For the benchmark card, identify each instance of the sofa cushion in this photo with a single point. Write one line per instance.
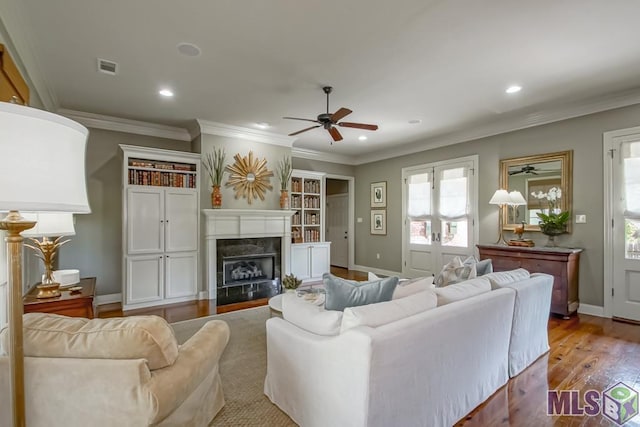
(454, 272)
(412, 286)
(462, 290)
(341, 293)
(502, 278)
(381, 313)
(482, 267)
(309, 316)
(135, 337)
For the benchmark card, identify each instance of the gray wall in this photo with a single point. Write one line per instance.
(583, 135)
(96, 249)
(272, 153)
(326, 167)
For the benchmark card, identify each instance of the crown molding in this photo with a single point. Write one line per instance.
(510, 124)
(99, 121)
(303, 153)
(16, 28)
(221, 129)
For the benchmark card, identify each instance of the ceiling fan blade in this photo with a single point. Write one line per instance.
(343, 112)
(358, 125)
(335, 134)
(304, 130)
(304, 120)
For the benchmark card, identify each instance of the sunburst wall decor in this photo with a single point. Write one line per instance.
(249, 177)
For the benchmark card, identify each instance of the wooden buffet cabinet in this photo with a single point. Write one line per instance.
(562, 263)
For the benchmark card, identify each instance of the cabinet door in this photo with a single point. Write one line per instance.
(144, 278)
(300, 262)
(180, 274)
(181, 220)
(319, 260)
(145, 220)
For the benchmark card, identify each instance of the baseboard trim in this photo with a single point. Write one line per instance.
(107, 299)
(592, 310)
(376, 270)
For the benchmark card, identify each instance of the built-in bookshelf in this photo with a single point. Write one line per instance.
(307, 200)
(162, 174)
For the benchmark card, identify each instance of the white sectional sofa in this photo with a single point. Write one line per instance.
(429, 368)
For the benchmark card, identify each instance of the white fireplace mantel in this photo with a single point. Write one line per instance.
(240, 224)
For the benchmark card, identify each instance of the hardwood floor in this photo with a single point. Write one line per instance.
(195, 309)
(587, 353)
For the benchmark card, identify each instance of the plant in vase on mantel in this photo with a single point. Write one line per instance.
(284, 171)
(214, 165)
(554, 222)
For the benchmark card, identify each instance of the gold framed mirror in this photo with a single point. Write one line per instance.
(533, 174)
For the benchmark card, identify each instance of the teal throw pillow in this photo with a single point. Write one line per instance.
(341, 293)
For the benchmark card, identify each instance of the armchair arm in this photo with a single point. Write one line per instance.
(196, 359)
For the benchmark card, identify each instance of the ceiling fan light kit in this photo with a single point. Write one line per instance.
(329, 120)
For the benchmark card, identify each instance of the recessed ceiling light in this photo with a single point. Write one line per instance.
(166, 92)
(362, 138)
(415, 121)
(262, 125)
(188, 49)
(513, 89)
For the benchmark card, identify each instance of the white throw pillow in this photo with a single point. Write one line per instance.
(310, 317)
(412, 286)
(463, 290)
(381, 313)
(454, 272)
(501, 278)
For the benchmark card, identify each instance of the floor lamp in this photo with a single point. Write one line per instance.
(42, 171)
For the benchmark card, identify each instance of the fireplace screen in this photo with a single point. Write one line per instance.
(248, 269)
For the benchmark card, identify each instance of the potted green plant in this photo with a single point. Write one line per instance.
(291, 282)
(554, 222)
(213, 163)
(283, 171)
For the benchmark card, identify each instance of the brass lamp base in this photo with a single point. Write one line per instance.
(50, 290)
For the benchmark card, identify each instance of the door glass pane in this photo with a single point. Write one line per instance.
(632, 238)
(453, 193)
(419, 203)
(455, 233)
(420, 232)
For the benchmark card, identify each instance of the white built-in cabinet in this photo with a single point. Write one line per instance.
(309, 261)
(160, 226)
(310, 254)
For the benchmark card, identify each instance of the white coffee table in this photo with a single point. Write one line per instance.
(275, 306)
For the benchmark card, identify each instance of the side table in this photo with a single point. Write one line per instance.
(74, 304)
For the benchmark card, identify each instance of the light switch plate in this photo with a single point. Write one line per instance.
(581, 219)
(359, 219)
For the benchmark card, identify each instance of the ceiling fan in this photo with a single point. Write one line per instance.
(528, 169)
(328, 120)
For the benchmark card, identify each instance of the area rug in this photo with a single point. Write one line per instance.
(243, 367)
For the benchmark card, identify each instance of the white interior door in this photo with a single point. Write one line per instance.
(337, 229)
(439, 203)
(626, 230)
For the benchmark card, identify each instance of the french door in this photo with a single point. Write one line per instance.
(439, 210)
(624, 185)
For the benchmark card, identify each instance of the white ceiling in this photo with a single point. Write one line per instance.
(446, 63)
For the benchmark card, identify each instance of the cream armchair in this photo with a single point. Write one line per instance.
(116, 372)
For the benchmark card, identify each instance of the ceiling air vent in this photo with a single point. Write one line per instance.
(107, 67)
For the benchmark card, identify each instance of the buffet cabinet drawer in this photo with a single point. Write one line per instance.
(562, 263)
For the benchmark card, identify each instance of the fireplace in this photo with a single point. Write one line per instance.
(261, 239)
(247, 269)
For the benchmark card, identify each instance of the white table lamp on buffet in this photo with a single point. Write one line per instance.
(43, 170)
(500, 198)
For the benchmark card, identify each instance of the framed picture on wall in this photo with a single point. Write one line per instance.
(379, 221)
(379, 194)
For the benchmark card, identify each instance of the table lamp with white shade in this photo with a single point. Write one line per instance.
(56, 225)
(517, 199)
(500, 198)
(42, 170)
